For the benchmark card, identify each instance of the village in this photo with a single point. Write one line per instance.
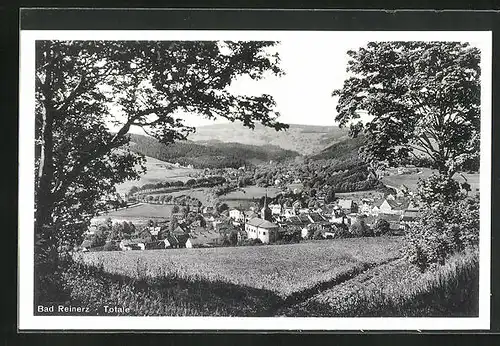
(192, 225)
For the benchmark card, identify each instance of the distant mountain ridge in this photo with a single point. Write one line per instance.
(346, 149)
(304, 139)
(208, 155)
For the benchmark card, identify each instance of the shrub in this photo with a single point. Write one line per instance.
(442, 231)
(317, 235)
(111, 246)
(342, 232)
(381, 227)
(257, 241)
(360, 229)
(438, 190)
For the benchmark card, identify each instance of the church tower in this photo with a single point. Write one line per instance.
(266, 213)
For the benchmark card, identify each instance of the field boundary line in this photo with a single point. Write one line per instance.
(303, 295)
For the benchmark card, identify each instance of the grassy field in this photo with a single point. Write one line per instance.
(199, 193)
(250, 192)
(399, 289)
(357, 195)
(343, 278)
(411, 180)
(157, 171)
(139, 214)
(283, 269)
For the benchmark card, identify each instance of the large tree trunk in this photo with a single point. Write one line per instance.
(43, 194)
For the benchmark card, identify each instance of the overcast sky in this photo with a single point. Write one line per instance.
(314, 62)
(314, 68)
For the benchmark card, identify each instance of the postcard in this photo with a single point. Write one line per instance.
(254, 180)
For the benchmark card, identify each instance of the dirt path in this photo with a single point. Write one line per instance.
(296, 298)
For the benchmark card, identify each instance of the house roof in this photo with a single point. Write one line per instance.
(345, 203)
(172, 240)
(181, 239)
(303, 218)
(294, 220)
(258, 222)
(250, 214)
(86, 243)
(408, 218)
(316, 217)
(179, 230)
(412, 213)
(389, 217)
(203, 238)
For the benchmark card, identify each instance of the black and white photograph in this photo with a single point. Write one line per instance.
(310, 180)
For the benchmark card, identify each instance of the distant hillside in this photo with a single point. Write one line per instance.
(305, 139)
(345, 150)
(209, 155)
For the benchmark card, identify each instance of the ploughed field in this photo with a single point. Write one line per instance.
(285, 270)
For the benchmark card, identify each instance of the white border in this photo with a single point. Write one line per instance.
(26, 318)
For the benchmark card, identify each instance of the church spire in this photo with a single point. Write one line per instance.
(266, 213)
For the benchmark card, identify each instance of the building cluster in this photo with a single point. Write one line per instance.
(209, 228)
(329, 219)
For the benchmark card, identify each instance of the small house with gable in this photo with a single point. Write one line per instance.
(347, 205)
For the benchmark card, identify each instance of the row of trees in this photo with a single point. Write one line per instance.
(190, 183)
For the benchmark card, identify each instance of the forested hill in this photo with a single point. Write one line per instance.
(344, 150)
(209, 155)
(305, 139)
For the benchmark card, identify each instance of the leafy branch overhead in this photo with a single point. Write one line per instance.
(83, 87)
(419, 99)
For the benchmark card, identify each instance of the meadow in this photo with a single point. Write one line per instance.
(283, 269)
(411, 180)
(202, 194)
(343, 278)
(399, 289)
(250, 192)
(157, 171)
(138, 214)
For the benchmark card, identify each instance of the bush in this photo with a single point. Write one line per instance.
(381, 227)
(442, 231)
(257, 241)
(342, 232)
(111, 246)
(438, 190)
(317, 235)
(360, 229)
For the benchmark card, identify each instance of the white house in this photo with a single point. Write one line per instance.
(275, 209)
(390, 207)
(347, 205)
(264, 230)
(289, 212)
(237, 214)
(154, 230)
(304, 232)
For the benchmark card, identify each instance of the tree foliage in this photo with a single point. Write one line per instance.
(423, 99)
(442, 231)
(90, 93)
